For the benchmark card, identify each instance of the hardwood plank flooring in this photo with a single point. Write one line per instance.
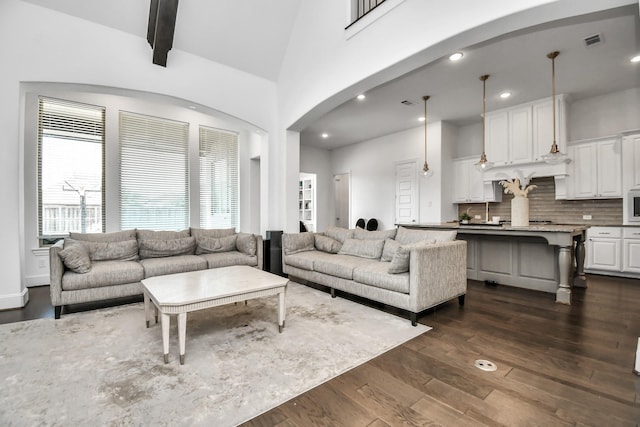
(557, 365)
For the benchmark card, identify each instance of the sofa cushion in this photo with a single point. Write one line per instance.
(159, 248)
(340, 265)
(247, 244)
(104, 273)
(115, 236)
(305, 260)
(75, 256)
(406, 236)
(390, 247)
(377, 275)
(362, 248)
(327, 244)
(209, 245)
(292, 243)
(400, 262)
(225, 259)
(362, 234)
(162, 235)
(126, 250)
(170, 265)
(338, 233)
(212, 232)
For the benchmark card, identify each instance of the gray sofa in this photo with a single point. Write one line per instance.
(88, 267)
(413, 270)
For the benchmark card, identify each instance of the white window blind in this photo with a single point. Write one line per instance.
(219, 185)
(154, 173)
(70, 167)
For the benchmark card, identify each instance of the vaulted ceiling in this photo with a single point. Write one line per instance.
(253, 36)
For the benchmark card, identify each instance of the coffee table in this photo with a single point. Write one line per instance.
(179, 294)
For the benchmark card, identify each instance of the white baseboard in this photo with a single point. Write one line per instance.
(42, 279)
(18, 300)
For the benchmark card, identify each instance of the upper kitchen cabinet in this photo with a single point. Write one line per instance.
(596, 169)
(469, 185)
(523, 133)
(631, 162)
(543, 126)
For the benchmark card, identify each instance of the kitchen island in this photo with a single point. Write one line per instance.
(544, 257)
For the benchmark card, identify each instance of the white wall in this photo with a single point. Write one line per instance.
(372, 166)
(318, 161)
(604, 115)
(469, 141)
(40, 45)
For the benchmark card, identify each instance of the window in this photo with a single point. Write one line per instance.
(219, 186)
(154, 173)
(70, 168)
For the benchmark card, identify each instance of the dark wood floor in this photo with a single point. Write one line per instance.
(556, 365)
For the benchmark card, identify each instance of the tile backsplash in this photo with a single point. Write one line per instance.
(543, 206)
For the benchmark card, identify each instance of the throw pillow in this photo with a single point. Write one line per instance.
(210, 245)
(374, 235)
(338, 233)
(327, 244)
(406, 236)
(113, 251)
(75, 256)
(292, 243)
(362, 248)
(211, 232)
(400, 261)
(247, 244)
(390, 247)
(158, 248)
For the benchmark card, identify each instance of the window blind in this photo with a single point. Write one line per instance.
(154, 172)
(70, 167)
(219, 183)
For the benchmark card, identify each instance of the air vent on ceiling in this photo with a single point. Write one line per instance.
(407, 102)
(593, 40)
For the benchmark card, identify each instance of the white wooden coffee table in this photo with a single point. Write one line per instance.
(178, 294)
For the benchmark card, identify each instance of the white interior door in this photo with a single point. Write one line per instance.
(341, 184)
(406, 193)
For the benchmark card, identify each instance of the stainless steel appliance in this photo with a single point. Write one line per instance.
(633, 205)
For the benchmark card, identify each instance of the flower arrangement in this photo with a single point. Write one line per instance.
(519, 187)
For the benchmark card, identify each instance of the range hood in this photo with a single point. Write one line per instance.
(559, 173)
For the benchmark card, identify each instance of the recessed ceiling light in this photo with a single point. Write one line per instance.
(325, 135)
(361, 97)
(421, 119)
(456, 56)
(635, 58)
(193, 107)
(505, 95)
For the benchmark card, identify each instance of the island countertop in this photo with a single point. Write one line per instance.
(505, 227)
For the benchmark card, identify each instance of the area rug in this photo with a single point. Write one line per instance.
(104, 367)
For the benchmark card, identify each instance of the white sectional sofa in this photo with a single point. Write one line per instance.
(88, 267)
(413, 270)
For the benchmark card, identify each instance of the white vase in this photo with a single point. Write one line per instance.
(520, 212)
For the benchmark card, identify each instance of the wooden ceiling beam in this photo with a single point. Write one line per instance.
(161, 27)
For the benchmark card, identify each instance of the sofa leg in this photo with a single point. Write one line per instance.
(461, 300)
(414, 319)
(333, 293)
(57, 310)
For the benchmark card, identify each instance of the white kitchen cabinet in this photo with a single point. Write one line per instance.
(604, 248)
(469, 185)
(509, 136)
(542, 122)
(631, 249)
(467, 182)
(596, 169)
(631, 167)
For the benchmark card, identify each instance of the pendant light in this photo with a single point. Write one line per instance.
(483, 164)
(554, 156)
(426, 172)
